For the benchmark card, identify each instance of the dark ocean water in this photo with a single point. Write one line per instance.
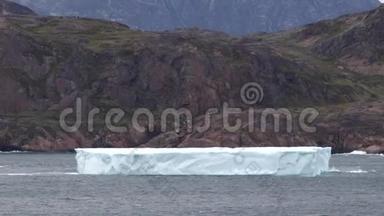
(47, 184)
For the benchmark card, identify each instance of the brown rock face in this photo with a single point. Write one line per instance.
(356, 127)
(375, 149)
(46, 63)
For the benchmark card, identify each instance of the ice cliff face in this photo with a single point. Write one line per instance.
(300, 161)
(232, 16)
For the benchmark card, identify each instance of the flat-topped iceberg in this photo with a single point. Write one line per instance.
(302, 161)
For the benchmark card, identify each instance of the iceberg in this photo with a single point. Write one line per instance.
(358, 153)
(299, 161)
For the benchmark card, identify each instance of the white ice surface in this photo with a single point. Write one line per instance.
(358, 153)
(302, 161)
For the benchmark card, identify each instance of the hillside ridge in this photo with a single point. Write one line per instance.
(46, 63)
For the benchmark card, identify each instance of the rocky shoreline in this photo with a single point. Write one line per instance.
(47, 63)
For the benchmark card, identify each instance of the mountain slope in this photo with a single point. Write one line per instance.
(47, 62)
(360, 46)
(236, 17)
(10, 8)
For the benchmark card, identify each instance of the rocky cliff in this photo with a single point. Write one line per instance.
(237, 17)
(48, 62)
